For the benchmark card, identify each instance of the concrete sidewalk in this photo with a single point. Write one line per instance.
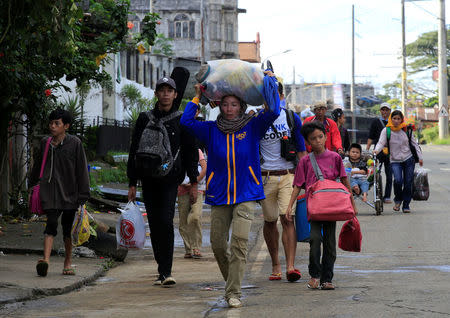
(21, 246)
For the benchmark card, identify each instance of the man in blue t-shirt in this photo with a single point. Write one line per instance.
(278, 175)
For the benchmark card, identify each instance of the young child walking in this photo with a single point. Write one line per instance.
(64, 185)
(330, 163)
(358, 180)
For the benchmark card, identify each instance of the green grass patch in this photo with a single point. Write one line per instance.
(431, 136)
(445, 141)
(117, 174)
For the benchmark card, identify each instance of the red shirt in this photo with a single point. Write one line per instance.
(334, 141)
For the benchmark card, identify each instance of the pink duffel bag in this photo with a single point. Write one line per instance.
(35, 205)
(328, 200)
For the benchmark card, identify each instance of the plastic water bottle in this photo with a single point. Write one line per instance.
(348, 167)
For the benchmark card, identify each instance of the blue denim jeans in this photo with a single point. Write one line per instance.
(362, 183)
(403, 179)
(388, 173)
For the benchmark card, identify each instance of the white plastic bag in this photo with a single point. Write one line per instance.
(232, 77)
(421, 186)
(130, 227)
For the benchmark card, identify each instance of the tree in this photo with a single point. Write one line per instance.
(41, 41)
(424, 53)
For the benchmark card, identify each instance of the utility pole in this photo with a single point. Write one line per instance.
(294, 89)
(352, 86)
(443, 81)
(202, 53)
(404, 84)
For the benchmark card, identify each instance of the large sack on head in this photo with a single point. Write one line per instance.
(232, 77)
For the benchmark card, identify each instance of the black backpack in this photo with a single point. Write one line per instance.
(154, 156)
(288, 147)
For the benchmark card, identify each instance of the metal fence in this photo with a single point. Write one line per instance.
(109, 134)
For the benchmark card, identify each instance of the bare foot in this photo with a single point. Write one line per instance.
(356, 190)
(364, 197)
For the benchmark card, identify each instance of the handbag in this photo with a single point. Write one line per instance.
(328, 200)
(350, 237)
(35, 201)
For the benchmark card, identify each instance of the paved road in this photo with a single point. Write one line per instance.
(403, 271)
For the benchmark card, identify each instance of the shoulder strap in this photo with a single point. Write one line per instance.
(409, 132)
(315, 166)
(388, 137)
(171, 116)
(149, 115)
(273, 128)
(381, 121)
(47, 146)
(290, 121)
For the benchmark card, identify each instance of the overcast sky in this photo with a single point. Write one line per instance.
(319, 34)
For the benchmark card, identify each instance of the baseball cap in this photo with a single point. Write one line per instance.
(166, 81)
(385, 105)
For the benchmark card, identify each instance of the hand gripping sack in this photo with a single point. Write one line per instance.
(421, 187)
(328, 200)
(130, 227)
(80, 228)
(35, 201)
(350, 237)
(154, 156)
(232, 77)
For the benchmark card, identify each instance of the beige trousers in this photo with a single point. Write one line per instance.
(231, 263)
(190, 222)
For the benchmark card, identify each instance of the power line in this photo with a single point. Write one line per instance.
(425, 10)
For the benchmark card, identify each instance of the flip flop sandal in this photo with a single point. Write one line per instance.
(293, 275)
(188, 255)
(396, 207)
(68, 271)
(327, 286)
(313, 283)
(42, 268)
(275, 276)
(197, 254)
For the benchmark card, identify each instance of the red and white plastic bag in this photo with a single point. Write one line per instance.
(130, 227)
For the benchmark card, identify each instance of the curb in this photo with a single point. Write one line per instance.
(23, 251)
(36, 293)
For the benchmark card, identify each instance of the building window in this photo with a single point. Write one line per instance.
(213, 29)
(145, 74)
(230, 33)
(182, 27)
(151, 75)
(192, 29)
(128, 65)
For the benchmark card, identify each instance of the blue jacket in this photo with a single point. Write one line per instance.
(233, 172)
